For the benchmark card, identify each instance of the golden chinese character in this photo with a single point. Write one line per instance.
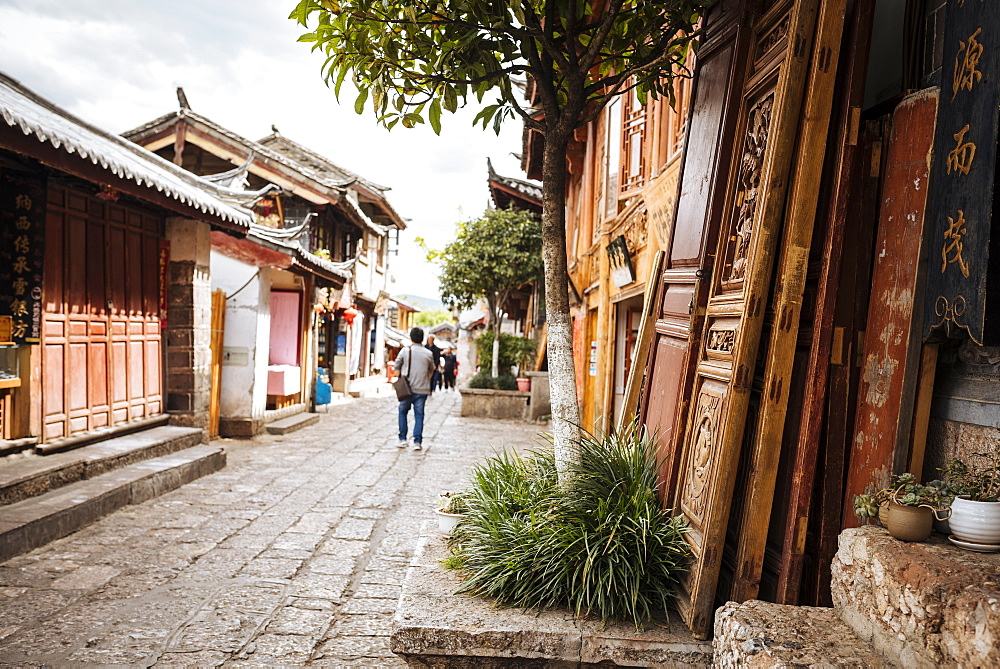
(20, 264)
(19, 308)
(21, 244)
(960, 158)
(22, 223)
(20, 285)
(966, 62)
(953, 244)
(22, 202)
(19, 330)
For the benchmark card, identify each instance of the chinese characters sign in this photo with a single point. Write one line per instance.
(963, 253)
(22, 250)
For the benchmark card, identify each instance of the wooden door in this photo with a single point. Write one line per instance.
(812, 461)
(779, 383)
(101, 356)
(738, 291)
(680, 300)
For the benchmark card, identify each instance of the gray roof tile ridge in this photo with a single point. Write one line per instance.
(65, 140)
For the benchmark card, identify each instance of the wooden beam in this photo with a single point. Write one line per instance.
(179, 138)
(822, 353)
(646, 324)
(922, 408)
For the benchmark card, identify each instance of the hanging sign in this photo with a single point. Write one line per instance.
(22, 252)
(622, 273)
(963, 251)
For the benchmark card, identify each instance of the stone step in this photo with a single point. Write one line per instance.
(34, 522)
(925, 604)
(292, 423)
(434, 627)
(759, 635)
(25, 476)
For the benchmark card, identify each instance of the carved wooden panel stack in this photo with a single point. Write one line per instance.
(738, 291)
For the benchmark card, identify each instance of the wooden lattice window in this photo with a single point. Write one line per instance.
(633, 144)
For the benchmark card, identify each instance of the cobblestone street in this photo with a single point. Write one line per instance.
(291, 555)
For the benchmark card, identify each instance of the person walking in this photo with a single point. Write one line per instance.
(416, 363)
(450, 363)
(436, 352)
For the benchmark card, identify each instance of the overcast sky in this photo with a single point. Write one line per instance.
(117, 63)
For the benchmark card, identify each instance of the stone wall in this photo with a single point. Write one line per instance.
(923, 604)
(189, 318)
(502, 404)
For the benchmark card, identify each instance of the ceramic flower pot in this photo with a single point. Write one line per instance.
(524, 385)
(909, 523)
(448, 521)
(975, 522)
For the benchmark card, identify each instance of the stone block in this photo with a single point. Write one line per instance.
(758, 634)
(241, 428)
(928, 604)
(498, 404)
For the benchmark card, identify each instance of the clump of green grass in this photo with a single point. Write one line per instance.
(599, 544)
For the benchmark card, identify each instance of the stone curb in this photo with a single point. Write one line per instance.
(34, 522)
(434, 627)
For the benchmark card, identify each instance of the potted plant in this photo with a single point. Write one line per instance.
(451, 509)
(905, 507)
(975, 510)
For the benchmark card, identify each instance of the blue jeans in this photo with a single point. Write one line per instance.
(417, 402)
(435, 380)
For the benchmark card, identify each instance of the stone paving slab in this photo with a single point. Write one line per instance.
(761, 635)
(433, 626)
(292, 423)
(292, 555)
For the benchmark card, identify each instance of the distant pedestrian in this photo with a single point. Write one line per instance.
(436, 352)
(416, 363)
(450, 364)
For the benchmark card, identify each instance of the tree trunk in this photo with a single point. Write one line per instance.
(562, 371)
(496, 347)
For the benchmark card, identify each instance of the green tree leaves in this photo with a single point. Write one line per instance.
(415, 58)
(491, 256)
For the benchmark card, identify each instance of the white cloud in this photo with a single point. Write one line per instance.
(116, 63)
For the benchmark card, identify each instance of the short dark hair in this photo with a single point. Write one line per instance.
(416, 335)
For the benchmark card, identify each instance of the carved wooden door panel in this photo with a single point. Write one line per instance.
(681, 295)
(738, 292)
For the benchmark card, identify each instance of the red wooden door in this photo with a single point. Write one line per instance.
(101, 357)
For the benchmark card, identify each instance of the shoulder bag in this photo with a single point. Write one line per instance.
(402, 384)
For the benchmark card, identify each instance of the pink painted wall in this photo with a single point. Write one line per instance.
(285, 313)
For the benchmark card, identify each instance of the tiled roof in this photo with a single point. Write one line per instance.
(330, 181)
(47, 122)
(528, 189)
(307, 157)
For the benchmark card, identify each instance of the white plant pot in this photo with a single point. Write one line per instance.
(975, 522)
(447, 521)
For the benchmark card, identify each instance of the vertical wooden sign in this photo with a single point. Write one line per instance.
(22, 253)
(963, 255)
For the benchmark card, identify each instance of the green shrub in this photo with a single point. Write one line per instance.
(514, 350)
(483, 380)
(600, 544)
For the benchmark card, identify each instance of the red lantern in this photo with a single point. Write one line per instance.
(349, 314)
